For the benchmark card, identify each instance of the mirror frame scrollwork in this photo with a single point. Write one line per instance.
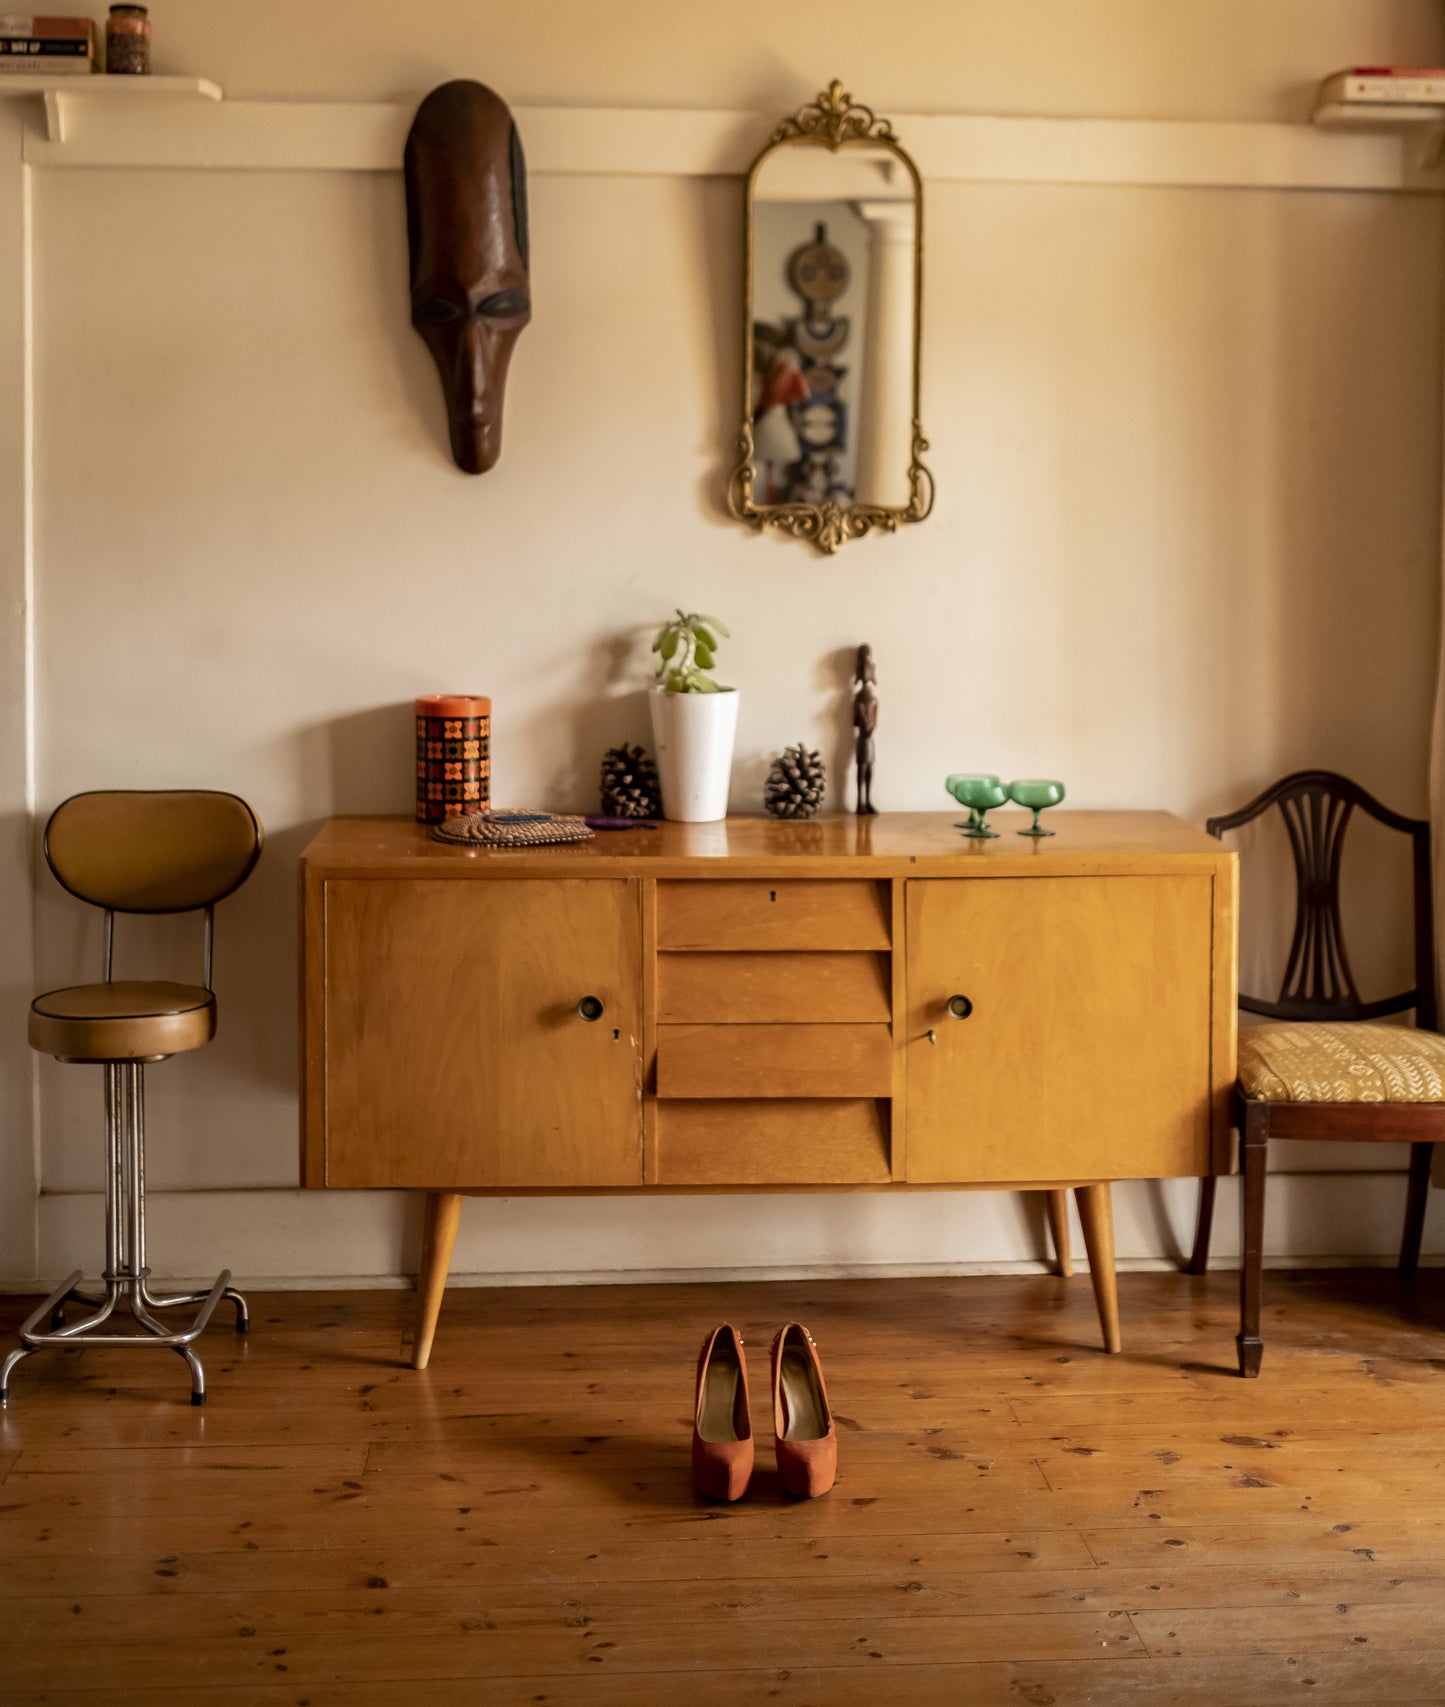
(834, 120)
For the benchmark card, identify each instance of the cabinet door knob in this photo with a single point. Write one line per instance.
(590, 1007)
(960, 1007)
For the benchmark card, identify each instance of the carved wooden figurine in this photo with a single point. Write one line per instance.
(466, 220)
(865, 721)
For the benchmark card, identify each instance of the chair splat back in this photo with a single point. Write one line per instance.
(1318, 984)
(152, 851)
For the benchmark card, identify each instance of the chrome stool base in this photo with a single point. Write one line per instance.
(126, 1273)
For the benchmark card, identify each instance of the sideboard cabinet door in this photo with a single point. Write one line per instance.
(455, 1054)
(1081, 1046)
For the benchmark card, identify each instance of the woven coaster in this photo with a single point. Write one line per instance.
(505, 827)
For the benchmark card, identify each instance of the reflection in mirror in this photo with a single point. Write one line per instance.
(831, 442)
(832, 282)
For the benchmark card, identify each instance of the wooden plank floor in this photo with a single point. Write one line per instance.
(1018, 1518)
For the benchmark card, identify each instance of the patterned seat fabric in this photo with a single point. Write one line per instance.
(1341, 1063)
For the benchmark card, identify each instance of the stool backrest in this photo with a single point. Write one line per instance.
(152, 850)
(1318, 984)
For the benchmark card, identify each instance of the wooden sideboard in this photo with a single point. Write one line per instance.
(846, 1004)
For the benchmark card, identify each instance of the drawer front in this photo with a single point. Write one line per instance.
(777, 989)
(726, 914)
(774, 1060)
(783, 1142)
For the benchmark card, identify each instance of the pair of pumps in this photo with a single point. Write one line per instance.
(722, 1430)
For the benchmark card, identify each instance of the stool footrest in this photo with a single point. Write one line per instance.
(131, 1290)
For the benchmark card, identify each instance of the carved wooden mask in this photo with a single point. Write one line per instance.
(466, 215)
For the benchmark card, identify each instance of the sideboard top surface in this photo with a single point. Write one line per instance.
(893, 844)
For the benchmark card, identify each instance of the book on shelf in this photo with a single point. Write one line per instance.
(46, 29)
(1384, 86)
(46, 46)
(46, 65)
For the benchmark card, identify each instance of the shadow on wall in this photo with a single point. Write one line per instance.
(601, 707)
(363, 762)
(835, 678)
(719, 239)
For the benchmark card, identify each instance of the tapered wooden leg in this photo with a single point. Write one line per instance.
(1416, 1200)
(1203, 1226)
(443, 1212)
(1253, 1152)
(1096, 1211)
(1058, 1204)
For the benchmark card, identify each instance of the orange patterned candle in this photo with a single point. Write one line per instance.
(453, 756)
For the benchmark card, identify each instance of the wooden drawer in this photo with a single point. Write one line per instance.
(783, 988)
(728, 914)
(774, 1061)
(782, 1142)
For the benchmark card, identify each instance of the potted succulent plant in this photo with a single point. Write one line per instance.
(694, 720)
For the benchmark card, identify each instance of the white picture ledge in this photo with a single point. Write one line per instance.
(607, 141)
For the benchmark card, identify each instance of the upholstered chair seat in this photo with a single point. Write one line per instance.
(1344, 1063)
(122, 1022)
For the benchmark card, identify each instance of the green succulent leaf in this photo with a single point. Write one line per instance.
(718, 624)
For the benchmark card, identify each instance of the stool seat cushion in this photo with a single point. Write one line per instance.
(122, 1022)
(1297, 1062)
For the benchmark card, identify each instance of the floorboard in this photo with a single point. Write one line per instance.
(1018, 1518)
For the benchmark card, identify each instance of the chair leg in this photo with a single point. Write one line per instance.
(1096, 1212)
(443, 1213)
(1058, 1208)
(126, 1270)
(1203, 1226)
(1416, 1200)
(1253, 1152)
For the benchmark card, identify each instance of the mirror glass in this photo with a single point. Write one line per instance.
(831, 442)
(833, 327)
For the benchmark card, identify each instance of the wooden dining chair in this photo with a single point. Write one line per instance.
(1324, 1069)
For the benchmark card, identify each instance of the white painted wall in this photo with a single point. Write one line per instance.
(1187, 446)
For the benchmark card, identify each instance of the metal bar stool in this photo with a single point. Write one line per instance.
(135, 852)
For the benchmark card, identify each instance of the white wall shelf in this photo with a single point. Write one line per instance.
(61, 96)
(1418, 130)
(613, 141)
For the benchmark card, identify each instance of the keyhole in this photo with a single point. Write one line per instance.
(772, 894)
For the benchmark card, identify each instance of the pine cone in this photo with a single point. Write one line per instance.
(629, 784)
(796, 783)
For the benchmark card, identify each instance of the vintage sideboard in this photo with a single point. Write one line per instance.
(865, 1004)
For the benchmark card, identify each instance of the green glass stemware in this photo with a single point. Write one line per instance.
(980, 791)
(1036, 793)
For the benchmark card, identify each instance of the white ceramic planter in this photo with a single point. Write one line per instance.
(693, 734)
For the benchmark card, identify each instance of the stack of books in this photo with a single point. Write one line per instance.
(1382, 94)
(46, 47)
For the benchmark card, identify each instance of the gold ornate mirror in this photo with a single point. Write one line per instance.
(831, 442)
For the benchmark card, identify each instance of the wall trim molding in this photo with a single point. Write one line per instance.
(269, 1236)
(730, 1276)
(618, 141)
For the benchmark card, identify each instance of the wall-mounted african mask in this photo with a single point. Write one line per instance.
(466, 217)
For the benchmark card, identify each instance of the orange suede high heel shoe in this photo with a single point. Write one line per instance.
(722, 1429)
(807, 1441)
